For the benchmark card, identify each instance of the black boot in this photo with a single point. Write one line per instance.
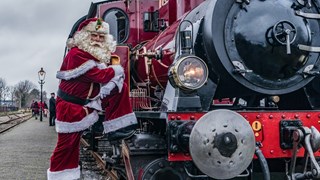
(122, 133)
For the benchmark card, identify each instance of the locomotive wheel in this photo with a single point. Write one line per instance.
(222, 144)
(160, 169)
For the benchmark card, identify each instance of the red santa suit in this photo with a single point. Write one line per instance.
(83, 81)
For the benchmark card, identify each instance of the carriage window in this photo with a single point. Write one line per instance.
(150, 21)
(118, 22)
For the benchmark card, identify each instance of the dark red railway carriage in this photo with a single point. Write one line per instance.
(221, 88)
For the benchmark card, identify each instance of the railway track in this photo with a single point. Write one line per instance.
(93, 164)
(9, 121)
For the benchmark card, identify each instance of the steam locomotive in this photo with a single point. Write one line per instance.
(222, 89)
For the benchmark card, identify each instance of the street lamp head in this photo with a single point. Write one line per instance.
(41, 74)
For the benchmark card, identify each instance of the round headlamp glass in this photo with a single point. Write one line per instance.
(189, 73)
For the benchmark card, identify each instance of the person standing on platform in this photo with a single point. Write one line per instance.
(87, 76)
(31, 107)
(35, 107)
(52, 109)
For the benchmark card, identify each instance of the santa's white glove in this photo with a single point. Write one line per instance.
(105, 90)
(118, 80)
(95, 103)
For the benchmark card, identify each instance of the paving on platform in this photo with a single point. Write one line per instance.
(25, 150)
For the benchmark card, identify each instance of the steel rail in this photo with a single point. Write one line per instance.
(16, 120)
(101, 163)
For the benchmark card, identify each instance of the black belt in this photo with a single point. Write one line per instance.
(69, 98)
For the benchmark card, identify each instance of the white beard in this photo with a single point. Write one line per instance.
(100, 50)
(100, 53)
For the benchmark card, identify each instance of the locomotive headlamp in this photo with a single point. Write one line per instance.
(188, 73)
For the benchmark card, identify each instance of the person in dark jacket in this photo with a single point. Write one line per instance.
(35, 109)
(52, 109)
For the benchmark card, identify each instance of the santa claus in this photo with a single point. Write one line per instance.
(85, 80)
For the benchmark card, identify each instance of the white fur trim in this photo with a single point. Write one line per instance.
(120, 122)
(87, 121)
(118, 70)
(101, 65)
(66, 174)
(91, 27)
(76, 72)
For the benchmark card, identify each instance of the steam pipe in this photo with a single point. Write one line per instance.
(263, 163)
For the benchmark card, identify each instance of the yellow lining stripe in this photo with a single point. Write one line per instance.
(86, 110)
(90, 91)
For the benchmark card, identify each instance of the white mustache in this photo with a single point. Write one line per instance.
(95, 43)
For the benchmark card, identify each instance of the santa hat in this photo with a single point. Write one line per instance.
(94, 25)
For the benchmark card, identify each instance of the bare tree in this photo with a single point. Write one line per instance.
(22, 90)
(34, 94)
(11, 95)
(6, 93)
(3, 86)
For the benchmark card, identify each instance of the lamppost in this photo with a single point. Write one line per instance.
(41, 75)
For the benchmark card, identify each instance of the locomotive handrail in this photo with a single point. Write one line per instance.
(308, 15)
(178, 35)
(308, 48)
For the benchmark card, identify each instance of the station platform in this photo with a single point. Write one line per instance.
(25, 150)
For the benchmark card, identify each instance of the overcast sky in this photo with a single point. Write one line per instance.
(33, 35)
